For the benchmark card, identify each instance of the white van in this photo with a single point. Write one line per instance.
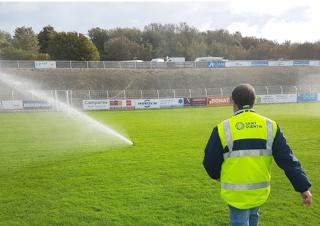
(157, 60)
(176, 59)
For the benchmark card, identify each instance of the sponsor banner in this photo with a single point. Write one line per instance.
(307, 97)
(96, 104)
(301, 63)
(259, 63)
(187, 101)
(280, 63)
(129, 103)
(198, 101)
(238, 63)
(219, 101)
(11, 105)
(118, 103)
(314, 63)
(318, 97)
(45, 64)
(277, 98)
(258, 99)
(216, 64)
(34, 104)
(171, 102)
(146, 103)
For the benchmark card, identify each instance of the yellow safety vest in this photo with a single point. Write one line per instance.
(245, 172)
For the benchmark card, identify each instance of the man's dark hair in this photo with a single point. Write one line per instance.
(243, 95)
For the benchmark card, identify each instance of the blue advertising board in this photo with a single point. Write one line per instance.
(36, 104)
(307, 97)
(216, 64)
(259, 63)
(301, 63)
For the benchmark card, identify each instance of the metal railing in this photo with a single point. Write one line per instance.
(76, 96)
(21, 64)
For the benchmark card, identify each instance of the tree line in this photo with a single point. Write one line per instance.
(154, 41)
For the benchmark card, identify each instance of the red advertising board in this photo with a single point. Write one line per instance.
(129, 103)
(121, 104)
(219, 101)
(116, 104)
(199, 101)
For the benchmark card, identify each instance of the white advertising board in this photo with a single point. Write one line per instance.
(238, 63)
(314, 63)
(146, 103)
(171, 102)
(318, 98)
(96, 104)
(12, 104)
(278, 98)
(45, 64)
(280, 63)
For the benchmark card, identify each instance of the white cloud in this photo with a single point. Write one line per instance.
(279, 28)
(296, 20)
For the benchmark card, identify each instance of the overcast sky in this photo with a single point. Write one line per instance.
(280, 20)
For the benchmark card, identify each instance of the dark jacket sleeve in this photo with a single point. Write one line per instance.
(213, 156)
(291, 166)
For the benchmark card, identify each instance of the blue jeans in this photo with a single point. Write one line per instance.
(247, 217)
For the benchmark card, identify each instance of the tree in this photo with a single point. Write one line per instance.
(12, 53)
(24, 38)
(44, 37)
(72, 46)
(99, 37)
(5, 39)
(121, 48)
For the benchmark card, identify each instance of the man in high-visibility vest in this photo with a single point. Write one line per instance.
(239, 155)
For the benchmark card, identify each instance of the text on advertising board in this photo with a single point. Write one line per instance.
(219, 101)
(216, 64)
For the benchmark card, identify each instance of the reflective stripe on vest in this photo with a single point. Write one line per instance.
(270, 134)
(243, 153)
(243, 187)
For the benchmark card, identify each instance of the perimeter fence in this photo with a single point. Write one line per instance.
(75, 98)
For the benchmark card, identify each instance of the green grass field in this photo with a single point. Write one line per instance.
(54, 172)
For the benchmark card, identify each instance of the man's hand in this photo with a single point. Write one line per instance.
(306, 198)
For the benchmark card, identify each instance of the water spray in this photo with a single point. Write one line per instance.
(9, 80)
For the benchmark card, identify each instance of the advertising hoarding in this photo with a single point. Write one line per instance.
(171, 102)
(96, 104)
(12, 105)
(314, 63)
(259, 63)
(187, 101)
(198, 101)
(301, 63)
(280, 63)
(118, 103)
(45, 64)
(238, 63)
(277, 98)
(146, 103)
(34, 104)
(216, 64)
(307, 97)
(318, 99)
(219, 100)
